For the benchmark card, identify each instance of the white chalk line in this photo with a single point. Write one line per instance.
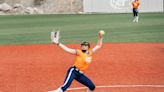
(121, 86)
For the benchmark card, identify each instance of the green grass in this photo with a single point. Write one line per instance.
(35, 29)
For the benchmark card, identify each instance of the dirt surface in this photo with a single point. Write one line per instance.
(39, 68)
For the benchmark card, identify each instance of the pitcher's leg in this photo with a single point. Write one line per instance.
(86, 81)
(68, 80)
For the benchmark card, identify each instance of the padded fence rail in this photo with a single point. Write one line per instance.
(122, 6)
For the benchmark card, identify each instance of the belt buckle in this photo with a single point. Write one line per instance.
(79, 70)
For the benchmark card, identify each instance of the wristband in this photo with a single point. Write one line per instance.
(58, 44)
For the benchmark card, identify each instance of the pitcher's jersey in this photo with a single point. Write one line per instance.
(136, 4)
(83, 60)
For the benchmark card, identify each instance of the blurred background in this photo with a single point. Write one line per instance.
(76, 6)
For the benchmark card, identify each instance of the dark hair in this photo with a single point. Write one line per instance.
(86, 44)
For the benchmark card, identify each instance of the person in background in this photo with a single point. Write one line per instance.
(136, 5)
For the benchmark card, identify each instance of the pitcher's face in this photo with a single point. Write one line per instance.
(84, 47)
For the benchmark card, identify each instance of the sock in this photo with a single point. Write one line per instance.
(137, 18)
(59, 90)
(134, 20)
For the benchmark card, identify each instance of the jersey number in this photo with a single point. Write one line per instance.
(88, 59)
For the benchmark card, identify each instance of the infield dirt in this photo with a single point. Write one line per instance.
(39, 68)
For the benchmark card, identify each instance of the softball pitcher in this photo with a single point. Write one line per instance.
(82, 61)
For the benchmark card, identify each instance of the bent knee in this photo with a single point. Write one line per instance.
(92, 87)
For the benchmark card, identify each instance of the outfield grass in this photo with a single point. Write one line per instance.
(35, 29)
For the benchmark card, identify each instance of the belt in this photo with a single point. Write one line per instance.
(78, 69)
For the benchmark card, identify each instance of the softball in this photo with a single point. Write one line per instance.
(101, 32)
